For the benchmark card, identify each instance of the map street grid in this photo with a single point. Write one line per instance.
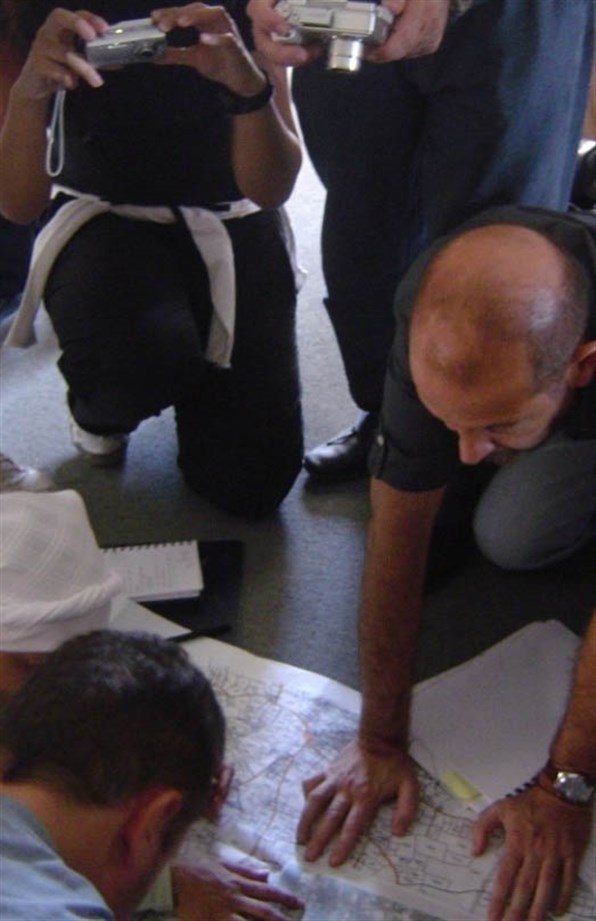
(283, 725)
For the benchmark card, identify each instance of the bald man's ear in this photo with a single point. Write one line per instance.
(582, 368)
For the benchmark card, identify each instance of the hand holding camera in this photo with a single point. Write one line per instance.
(294, 32)
(74, 46)
(219, 53)
(346, 26)
(53, 63)
(194, 36)
(135, 41)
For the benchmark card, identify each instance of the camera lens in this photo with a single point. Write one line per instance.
(146, 52)
(345, 54)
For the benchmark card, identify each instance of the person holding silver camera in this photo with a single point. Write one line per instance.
(163, 261)
(477, 103)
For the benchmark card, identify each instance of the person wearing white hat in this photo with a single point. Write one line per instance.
(55, 585)
(54, 582)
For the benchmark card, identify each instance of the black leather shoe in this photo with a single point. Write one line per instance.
(344, 457)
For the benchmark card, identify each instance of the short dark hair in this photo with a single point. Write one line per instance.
(108, 715)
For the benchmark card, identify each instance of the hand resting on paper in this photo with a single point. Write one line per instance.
(211, 890)
(343, 799)
(544, 842)
(207, 889)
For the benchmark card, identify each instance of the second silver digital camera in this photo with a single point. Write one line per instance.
(346, 25)
(134, 41)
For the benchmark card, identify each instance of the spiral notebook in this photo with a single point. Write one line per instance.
(158, 572)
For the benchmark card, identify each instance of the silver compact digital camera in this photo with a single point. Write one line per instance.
(134, 41)
(346, 25)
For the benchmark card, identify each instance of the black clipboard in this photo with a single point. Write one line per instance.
(215, 609)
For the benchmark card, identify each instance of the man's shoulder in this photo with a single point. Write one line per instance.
(34, 880)
(16, 820)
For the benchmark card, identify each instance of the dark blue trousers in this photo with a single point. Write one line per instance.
(408, 150)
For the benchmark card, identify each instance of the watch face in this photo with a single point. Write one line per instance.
(573, 787)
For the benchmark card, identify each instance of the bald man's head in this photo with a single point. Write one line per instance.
(497, 338)
(501, 289)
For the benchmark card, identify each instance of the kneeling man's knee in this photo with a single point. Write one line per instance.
(524, 541)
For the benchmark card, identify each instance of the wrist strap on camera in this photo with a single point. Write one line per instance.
(55, 137)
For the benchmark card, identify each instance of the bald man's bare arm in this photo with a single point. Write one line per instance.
(375, 767)
(574, 745)
(398, 540)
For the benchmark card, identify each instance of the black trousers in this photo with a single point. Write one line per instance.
(130, 304)
(409, 150)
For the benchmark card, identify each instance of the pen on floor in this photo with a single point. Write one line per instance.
(209, 632)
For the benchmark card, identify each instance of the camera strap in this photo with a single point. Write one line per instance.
(55, 137)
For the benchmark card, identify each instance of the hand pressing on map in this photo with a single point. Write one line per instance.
(544, 841)
(210, 890)
(343, 800)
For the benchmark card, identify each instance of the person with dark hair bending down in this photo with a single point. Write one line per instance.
(56, 585)
(108, 754)
(163, 263)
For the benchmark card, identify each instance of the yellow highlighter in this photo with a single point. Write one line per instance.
(458, 786)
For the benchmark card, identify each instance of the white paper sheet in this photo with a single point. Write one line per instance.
(491, 720)
(129, 616)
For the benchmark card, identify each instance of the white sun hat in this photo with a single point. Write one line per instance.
(54, 582)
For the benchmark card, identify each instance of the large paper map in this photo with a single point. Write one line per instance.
(285, 724)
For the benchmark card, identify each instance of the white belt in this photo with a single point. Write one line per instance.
(206, 228)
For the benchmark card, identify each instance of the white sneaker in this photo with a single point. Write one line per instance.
(28, 479)
(100, 450)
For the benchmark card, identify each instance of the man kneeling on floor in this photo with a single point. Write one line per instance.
(493, 364)
(107, 755)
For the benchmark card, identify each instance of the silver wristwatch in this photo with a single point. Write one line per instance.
(570, 786)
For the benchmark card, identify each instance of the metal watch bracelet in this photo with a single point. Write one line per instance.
(571, 787)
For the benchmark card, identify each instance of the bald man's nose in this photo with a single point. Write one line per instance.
(474, 446)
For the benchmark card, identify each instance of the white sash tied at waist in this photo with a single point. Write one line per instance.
(209, 235)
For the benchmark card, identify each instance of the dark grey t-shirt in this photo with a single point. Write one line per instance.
(414, 451)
